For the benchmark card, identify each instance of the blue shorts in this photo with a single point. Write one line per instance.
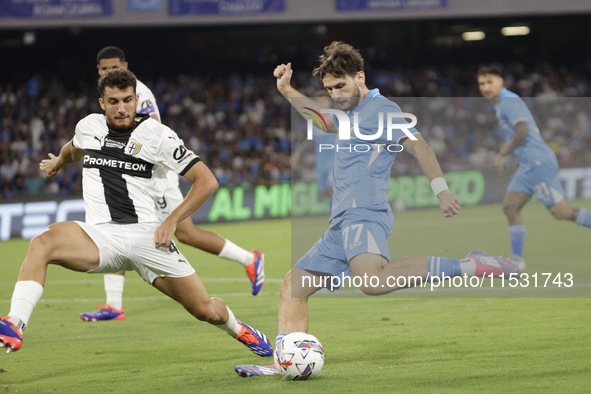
(541, 180)
(357, 231)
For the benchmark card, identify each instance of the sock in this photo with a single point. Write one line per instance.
(440, 266)
(232, 327)
(114, 290)
(517, 236)
(583, 218)
(278, 339)
(24, 298)
(233, 252)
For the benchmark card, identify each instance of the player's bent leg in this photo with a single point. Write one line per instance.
(190, 292)
(192, 295)
(562, 211)
(65, 244)
(413, 269)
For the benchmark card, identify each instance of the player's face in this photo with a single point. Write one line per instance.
(119, 106)
(345, 91)
(110, 64)
(490, 85)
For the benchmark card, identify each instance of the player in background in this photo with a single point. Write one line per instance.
(356, 243)
(122, 152)
(538, 166)
(323, 162)
(110, 58)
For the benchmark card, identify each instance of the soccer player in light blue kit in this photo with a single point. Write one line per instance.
(538, 166)
(356, 243)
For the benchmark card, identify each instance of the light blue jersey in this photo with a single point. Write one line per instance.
(361, 218)
(324, 160)
(361, 178)
(533, 151)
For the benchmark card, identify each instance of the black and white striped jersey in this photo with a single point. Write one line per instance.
(122, 170)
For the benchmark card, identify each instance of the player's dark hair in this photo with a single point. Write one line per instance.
(339, 60)
(487, 70)
(116, 78)
(110, 53)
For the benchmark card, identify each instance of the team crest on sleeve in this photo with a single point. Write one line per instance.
(133, 148)
(146, 107)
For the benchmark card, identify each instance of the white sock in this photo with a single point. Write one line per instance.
(233, 252)
(468, 267)
(114, 290)
(24, 298)
(232, 327)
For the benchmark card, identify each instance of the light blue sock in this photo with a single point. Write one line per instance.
(442, 266)
(583, 218)
(517, 236)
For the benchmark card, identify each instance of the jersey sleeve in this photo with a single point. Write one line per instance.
(77, 139)
(174, 155)
(81, 132)
(514, 110)
(146, 103)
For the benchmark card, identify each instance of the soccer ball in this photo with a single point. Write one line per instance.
(299, 356)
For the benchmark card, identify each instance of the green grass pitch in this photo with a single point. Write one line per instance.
(453, 340)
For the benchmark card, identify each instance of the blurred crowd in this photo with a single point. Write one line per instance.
(240, 125)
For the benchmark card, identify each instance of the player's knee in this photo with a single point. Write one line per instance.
(205, 312)
(562, 213)
(510, 210)
(43, 244)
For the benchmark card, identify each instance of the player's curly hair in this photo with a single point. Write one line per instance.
(116, 78)
(339, 60)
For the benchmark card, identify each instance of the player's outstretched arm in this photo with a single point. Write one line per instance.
(204, 185)
(68, 154)
(448, 201)
(283, 73)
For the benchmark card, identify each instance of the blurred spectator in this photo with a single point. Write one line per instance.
(240, 125)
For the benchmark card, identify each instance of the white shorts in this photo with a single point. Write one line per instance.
(130, 247)
(172, 197)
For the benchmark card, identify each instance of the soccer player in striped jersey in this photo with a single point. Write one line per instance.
(123, 154)
(110, 58)
(538, 166)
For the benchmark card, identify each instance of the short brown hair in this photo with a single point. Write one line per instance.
(110, 52)
(339, 59)
(119, 78)
(486, 70)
